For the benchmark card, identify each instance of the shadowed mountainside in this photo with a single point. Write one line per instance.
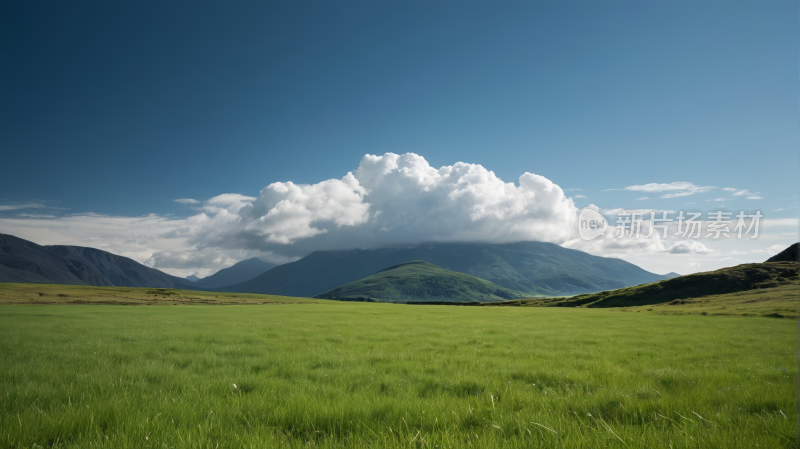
(790, 254)
(235, 274)
(25, 261)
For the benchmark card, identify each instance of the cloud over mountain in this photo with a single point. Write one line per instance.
(388, 200)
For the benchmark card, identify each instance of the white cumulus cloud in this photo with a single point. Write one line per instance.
(388, 200)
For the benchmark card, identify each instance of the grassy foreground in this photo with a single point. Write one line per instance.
(384, 375)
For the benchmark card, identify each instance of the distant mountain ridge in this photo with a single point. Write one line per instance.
(25, 261)
(535, 268)
(419, 281)
(235, 274)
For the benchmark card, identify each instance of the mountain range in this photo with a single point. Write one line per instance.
(533, 268)
(421, 281)
(25, 261)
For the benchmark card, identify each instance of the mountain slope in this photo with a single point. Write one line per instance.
(790, 254)
(235, 274)
(421, 281)
(535, 268)
(25, 261)
(740, 278)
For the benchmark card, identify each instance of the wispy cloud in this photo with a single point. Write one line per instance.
(22, 206)
(774, 249)
(579, 196)
(678, 189)
(744, 192)
(187, 201)
(642, 198)
(780, 222)
(37, 215)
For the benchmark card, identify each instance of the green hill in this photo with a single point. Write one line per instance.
(419, 281)
(766, 279)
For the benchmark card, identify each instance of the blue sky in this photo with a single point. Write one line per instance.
(119, 109)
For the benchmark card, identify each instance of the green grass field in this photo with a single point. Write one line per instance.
(330, 374)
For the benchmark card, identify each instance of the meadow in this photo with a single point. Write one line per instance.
(340, 374)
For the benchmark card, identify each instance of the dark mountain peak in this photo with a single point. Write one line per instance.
(236, 273)
(253, 261)
(790, 254)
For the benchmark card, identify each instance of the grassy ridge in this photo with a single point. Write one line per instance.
(777, 282)
(777, 302)
(384, 376)
(421, 281)
(81, 294)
